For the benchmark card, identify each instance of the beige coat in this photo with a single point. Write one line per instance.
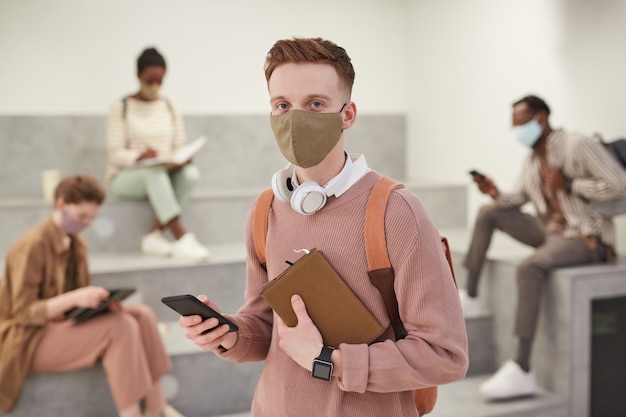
(34, 272)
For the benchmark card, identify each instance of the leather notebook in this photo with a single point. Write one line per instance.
(337, 312)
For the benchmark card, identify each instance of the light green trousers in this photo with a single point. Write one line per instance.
(168, 192)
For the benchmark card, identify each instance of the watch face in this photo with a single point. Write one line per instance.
(322, 370)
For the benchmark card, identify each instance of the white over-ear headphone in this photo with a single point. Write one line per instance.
(309, 197)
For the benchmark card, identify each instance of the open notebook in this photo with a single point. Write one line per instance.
(79, 315)
(181, 156)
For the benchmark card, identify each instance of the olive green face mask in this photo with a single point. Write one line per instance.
(305, 138)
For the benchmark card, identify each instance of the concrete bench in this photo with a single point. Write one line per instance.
(562, 352)
(199, 385)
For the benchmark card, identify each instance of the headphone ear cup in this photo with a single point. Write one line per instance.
(282, 186)
(308, 198)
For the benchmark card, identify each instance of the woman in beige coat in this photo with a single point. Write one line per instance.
(46, 275)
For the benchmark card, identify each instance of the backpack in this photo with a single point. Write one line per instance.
(617, 149)
(380, 272)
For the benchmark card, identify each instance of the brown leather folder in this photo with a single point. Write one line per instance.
(336, 311)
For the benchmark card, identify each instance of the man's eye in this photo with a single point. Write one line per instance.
(316, 104)
(282, 106)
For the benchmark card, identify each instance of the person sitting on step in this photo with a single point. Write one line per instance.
(561, 173)
(46, 275)
(141, 127)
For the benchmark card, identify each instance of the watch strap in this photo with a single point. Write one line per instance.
(325, 354)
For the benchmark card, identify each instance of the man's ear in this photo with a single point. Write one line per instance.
(349, 115)
(542, 118)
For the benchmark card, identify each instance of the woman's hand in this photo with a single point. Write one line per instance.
(84, 297)
(88, 297)
(147, 154)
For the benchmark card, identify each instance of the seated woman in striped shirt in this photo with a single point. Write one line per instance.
(142, 127)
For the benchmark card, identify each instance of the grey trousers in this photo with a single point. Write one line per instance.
(553, 251)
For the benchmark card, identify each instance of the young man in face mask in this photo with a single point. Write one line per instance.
(320, 203)
(46, 275)
(560, 172)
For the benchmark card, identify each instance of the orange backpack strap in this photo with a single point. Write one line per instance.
(375, 243)
(260, 220)
(380, 272)
(379, 268)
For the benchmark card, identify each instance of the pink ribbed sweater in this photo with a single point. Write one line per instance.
(377, 379)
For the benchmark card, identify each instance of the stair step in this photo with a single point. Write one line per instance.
(462, 399)
(240, 150)
(215, 217)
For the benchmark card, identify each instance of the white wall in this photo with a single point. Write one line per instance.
(453, 66)
(77, 56)
(471, 59)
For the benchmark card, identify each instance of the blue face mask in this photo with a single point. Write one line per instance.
(529, 133)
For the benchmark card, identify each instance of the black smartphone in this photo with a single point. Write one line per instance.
(188, 305)
(475, 173)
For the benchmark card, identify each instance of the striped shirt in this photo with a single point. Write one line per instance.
(156, 124)
(595, 175)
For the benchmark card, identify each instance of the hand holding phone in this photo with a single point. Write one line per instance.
(476, 174)
(485, 184)
(188, 305)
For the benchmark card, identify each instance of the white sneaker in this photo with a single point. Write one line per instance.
(472, 307)
(509, 382)
(154, 243)
(169, 411)
(188, 247)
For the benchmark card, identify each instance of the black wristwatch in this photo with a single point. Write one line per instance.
(322, 365)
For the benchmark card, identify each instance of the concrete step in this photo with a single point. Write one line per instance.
(562, 349)
(461, 399)
(216, 217)
(240, 151)
(199, 385)
(222, 277)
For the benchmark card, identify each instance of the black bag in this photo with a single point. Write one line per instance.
(617, 148)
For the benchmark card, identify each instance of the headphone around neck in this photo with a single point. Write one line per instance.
(309, 197)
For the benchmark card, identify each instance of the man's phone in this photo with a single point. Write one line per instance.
(188, 305)
(477, 174)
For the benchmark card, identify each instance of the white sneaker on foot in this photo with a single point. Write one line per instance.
(154, 243)
(509, 381)
(188, 247)
(472, 307)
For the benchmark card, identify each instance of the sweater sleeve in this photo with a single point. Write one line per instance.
(520, 194)
(255, 318)
(435, 349)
